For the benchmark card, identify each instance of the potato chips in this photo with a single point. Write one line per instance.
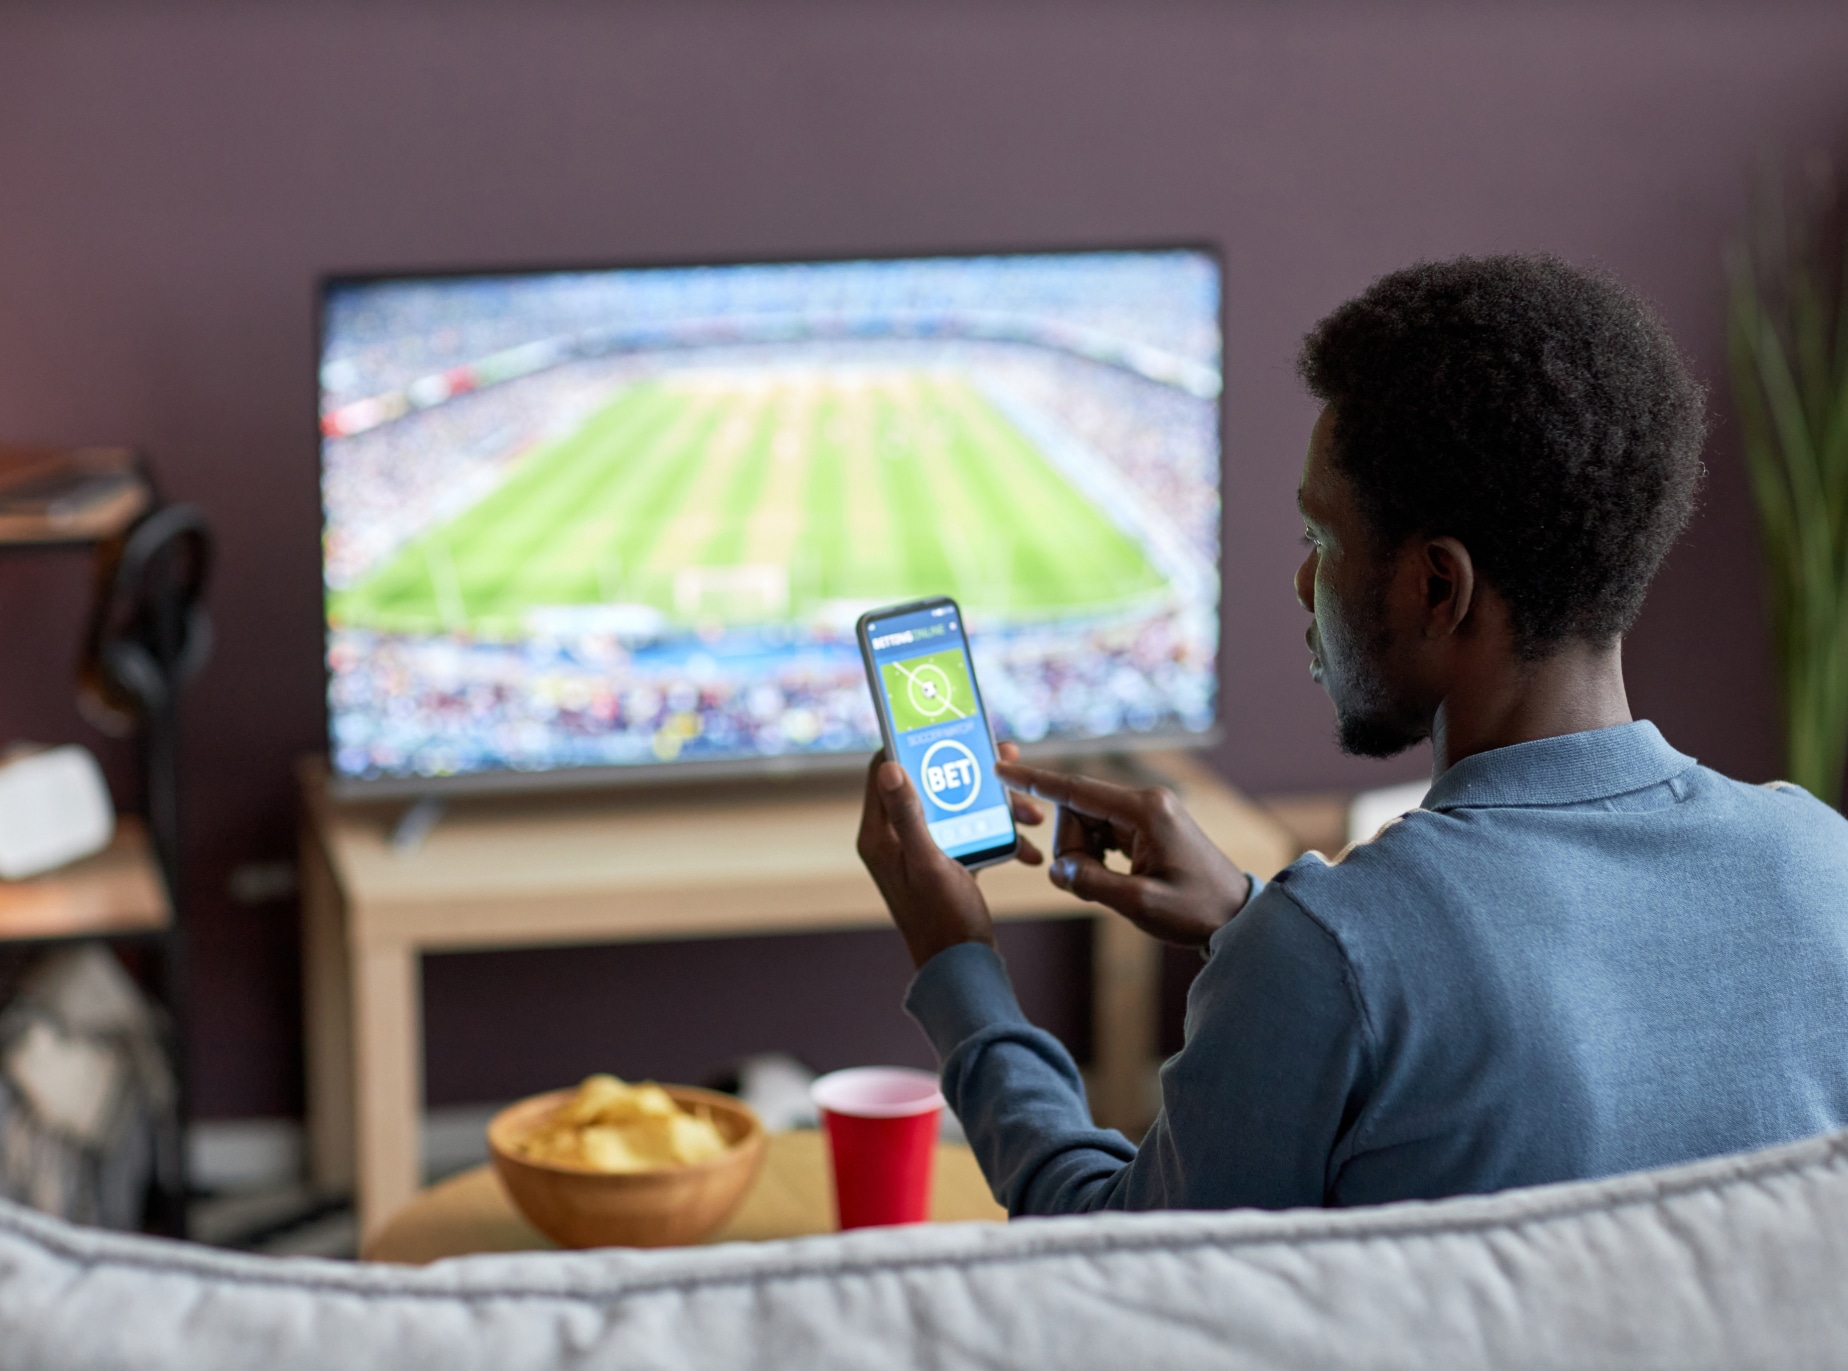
(609, 1125)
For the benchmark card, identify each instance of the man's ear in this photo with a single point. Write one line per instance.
(1449, 581)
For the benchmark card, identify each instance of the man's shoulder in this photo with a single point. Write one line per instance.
(1786, 796)
(1434, 856)
(1786, 811)
(1409, 859)
(1409, 841)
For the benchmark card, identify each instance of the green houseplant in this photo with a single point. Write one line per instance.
(1788, 345)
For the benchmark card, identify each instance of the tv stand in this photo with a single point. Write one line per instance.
(655, 864)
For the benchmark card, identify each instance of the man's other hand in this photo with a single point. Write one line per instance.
(933, 898)
(1179, 887)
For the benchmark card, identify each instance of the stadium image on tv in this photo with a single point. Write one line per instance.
(627, 518)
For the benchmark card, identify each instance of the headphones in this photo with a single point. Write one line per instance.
(149, 631)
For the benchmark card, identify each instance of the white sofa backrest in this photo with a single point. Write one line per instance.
(1736, 1262)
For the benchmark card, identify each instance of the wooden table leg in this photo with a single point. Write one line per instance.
(1126, 988)
(327, 1029)
(388, 1071)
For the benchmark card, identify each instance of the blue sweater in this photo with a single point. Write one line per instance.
(1583, 955)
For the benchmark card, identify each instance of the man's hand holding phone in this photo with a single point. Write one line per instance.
(934, 898)
(1179, 887)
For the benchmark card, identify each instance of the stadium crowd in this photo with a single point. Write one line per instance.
(384, 335)
(416, 706)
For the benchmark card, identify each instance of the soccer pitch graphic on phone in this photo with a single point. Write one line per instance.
(931, 715)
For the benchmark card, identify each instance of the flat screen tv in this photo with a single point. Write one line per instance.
(589, 525)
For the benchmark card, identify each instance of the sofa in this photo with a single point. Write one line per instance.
(1735, 1262)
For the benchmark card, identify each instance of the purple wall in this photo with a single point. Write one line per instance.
(171, 183)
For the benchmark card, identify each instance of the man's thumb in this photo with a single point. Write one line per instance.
(1090, 879)
(903, 809)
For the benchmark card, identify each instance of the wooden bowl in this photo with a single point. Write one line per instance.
(576, 1206)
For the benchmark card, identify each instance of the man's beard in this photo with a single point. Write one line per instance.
(1376, 735)
(1368, 722)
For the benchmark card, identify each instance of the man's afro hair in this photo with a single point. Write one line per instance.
(1538, 413)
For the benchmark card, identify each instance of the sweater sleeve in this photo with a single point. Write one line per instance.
(1271, 1073)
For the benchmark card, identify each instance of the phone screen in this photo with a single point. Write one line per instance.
(931, 715)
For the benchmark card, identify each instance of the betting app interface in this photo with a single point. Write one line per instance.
(922, 663)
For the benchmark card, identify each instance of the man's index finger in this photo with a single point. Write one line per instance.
(1099, 799)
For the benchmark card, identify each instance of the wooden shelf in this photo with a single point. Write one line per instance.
(64, 496)
(116, 893)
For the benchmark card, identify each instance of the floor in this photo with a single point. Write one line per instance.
(250, 1197)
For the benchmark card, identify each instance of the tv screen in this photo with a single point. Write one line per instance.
(587, 524)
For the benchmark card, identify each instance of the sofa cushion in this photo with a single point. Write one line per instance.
(1739, 1261)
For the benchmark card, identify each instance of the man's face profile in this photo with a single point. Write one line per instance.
(1343, 582)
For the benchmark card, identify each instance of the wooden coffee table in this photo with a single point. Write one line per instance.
(793, 1198)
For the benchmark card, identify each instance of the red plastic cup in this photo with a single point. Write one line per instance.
(881, 1123)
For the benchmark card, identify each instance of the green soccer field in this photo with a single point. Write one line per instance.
(731, 499)
(932, 689)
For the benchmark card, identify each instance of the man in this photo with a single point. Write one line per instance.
(1584, 954)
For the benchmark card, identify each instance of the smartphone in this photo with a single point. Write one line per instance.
(932, 720)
